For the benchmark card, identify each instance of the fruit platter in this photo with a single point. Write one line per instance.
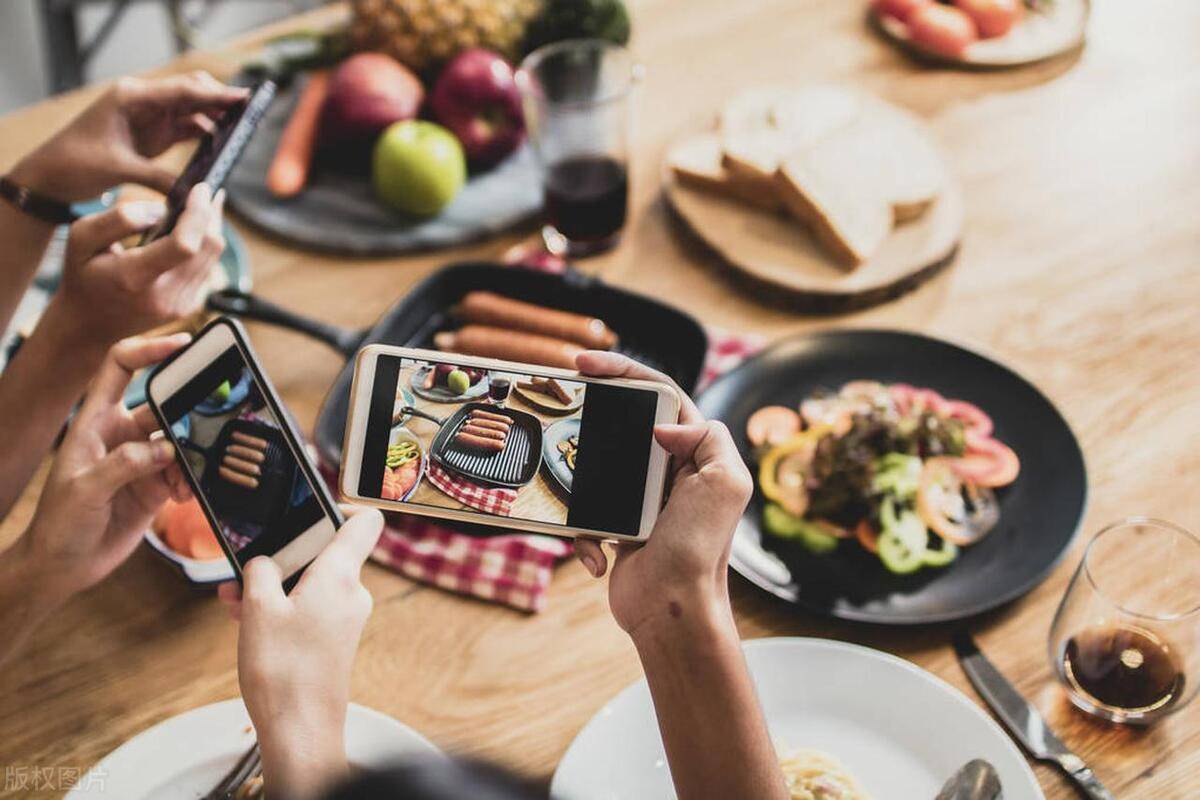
(446, 383)
(403, 130)
(982, 33)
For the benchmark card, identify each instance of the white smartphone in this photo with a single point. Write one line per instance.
(240, 453)
(501, 443)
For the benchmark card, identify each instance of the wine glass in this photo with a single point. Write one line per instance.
(1126, 638)
(576, 96)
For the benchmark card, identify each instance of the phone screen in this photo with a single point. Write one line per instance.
(236, 452)
(557, 451)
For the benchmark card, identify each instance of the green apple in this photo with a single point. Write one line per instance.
(458, 382)
(418, 167)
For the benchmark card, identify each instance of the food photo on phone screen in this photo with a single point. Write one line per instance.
(551, 450)
(232, 444)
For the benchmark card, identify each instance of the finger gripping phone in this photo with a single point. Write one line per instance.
(501, 443)
(240, 453)
(215, 156)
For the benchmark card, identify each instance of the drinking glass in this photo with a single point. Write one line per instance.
(1126, 638)
(498, 388)
(576, 97)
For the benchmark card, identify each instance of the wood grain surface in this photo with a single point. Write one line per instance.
(1080, 266)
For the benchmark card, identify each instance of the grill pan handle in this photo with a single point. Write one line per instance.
(409, 411)
(249, 306)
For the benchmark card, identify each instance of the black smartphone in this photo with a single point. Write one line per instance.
(215, 156)
(240, 452)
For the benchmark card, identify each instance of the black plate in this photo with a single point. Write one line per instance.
(1039, 513)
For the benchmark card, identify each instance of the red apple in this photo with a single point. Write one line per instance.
(368, 92)
(476, 97)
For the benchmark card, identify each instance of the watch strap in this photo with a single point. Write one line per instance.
(35, 204)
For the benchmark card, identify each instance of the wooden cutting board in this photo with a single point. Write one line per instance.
(1040, 35)
(777, 258)
(337, 212)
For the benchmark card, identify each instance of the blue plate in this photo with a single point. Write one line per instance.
(556, 462)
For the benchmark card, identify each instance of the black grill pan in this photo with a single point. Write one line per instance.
(512, 467)
(650, 331)
(257, 506)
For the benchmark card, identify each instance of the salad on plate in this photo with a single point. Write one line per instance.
(900, 471)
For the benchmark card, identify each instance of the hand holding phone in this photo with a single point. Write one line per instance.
(108, 477)
(215, 157)
(240, 453)
(501, 443)
(686, 558)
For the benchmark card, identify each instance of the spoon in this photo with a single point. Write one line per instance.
(975, 780)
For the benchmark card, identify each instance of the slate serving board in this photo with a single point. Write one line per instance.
(337, 212)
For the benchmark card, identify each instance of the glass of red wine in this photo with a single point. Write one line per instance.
(1126, 639)
(576, 95)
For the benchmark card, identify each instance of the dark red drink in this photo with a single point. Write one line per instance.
(499, 389)
(586, 198)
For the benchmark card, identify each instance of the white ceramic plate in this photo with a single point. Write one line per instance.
(185, 756)
(899, 729)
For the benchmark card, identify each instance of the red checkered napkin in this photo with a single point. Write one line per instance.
(513, 569)
(489, 500)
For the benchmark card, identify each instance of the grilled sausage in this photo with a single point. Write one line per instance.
(489, 308)
(490, 424)
(245, 481)
(249, 441)
(480, 340)
(481, 414)
(247, 453)
(486, 433)
(478, 442)
(238, 465)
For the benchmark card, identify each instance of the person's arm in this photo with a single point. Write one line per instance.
(708, 713)
(295, 655)
(671, 596)
(25, 240)
(113, 141)
(107, 482)
(107, 293)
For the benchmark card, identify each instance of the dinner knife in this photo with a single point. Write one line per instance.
(1022, 719)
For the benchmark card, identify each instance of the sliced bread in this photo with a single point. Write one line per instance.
(766, 126)
(907, 160)
(845, 206)
(696, 162)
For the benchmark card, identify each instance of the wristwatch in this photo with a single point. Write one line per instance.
(35, 204)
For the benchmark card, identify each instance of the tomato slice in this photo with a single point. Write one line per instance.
(988, 462)
(772, 425)
(970, 415)
(959, 511)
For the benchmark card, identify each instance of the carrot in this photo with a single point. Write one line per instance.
(293, 155)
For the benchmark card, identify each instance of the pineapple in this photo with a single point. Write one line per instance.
(424, 34)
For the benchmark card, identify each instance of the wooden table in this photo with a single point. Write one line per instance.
(1079, 267)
